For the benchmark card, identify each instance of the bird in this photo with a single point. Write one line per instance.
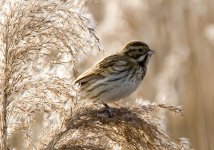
(115, 76)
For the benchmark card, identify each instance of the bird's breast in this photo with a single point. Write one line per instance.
(120, 86)
(115, 86)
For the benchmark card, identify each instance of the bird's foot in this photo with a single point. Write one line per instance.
(109, 110)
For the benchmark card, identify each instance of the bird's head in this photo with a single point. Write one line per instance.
(139, 51)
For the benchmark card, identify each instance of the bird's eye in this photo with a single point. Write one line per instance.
(140, 50)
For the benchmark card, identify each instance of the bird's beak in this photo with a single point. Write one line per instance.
(151, 52)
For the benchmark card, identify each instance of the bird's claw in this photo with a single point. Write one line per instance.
(109, 110)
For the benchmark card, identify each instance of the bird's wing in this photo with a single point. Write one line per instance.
(103, 68)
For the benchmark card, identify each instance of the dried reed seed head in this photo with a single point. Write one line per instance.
(38, 37)
(135, 127)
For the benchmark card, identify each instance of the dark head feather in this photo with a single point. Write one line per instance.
(139, 51)
(137, 43)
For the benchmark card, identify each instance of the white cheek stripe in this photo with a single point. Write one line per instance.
(141, 58)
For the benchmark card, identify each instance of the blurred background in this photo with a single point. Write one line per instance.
(182, 70)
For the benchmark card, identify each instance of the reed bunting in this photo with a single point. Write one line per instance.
(117, 75)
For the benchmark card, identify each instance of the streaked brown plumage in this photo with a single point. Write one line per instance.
(116, 76)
